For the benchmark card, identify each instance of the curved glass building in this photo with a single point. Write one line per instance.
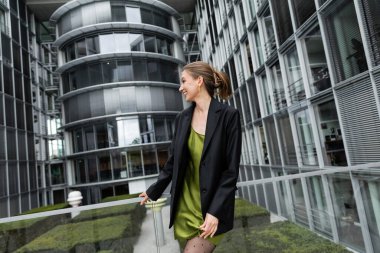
(119, 64)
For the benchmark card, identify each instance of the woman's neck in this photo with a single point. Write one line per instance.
(202, 104)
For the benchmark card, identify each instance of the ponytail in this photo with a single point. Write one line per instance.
(222, 83)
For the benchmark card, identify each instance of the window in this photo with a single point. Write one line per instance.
(124, 70)
(101, 136)
(109, 71)
(305, 138)
(146, 16)
(133, 14)
(303, 10)
(370, 190)
(345, 41)
(346, 211)
(92, 45)
(118, 13)
(259, 51)
(136, 42)
(296, 87)
(107, 43)
(105, 167)
(150, 43)
(249, 57)
(3, 24)
(372, 22)
(134, 163)
(274, 152)
(270, 42)
(278, 87)
(318, 72)
(89, 137)
(150, 162)
(286, 139)
(254, 98)
(282, 19)
(128, 131)
(331, 135)
(265, 94)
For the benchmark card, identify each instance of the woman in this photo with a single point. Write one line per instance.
(203, 165)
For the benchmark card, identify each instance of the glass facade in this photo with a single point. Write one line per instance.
(309, 70)
(125, 81)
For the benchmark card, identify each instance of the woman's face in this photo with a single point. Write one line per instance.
(190, 87)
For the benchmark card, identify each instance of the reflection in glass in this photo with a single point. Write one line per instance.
(270, 42)
(259, 51)
(305, 138)
(320, 214)
(150, 162)
(345, 41)
(296, 87)
(118, 13)
(370, 185)
(331, 135)
(105, 172)
(299, 204)
(134, 164)
(107, 43)
(129, 131)
(124, 69)
(264, 151)
(286, 139)
(346, 211)
(278, 87)
(274, 152)
(109, 71)
(133, 14)
(318, 72)
(136, 42)
(266, 95)
(92, 169)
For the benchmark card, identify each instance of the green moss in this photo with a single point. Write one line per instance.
(18, 224)
(46, 208)
(65, 237)
(121, 197)
(244, 208)
(284, 237)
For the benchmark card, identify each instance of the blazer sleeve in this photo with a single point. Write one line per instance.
(227, 184)
(155, 190)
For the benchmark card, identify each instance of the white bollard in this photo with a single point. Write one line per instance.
(75, 199)
(156, 207)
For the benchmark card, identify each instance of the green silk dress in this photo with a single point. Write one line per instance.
(188, 217)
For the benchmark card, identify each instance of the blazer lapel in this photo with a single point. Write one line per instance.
(212, 121)
(185, 127)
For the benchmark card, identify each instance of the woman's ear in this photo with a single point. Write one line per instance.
(199, 80)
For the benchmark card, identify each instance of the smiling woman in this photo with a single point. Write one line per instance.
(203, 188)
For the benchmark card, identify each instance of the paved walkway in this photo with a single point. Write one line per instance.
(147, 240)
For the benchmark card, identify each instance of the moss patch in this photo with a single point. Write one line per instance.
(46, 208)
(254, 233)
(65, 237)
(244, 208)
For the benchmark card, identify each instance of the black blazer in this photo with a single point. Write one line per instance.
(219, 166)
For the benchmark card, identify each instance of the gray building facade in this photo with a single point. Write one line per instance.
(305, 76)
(119, 65)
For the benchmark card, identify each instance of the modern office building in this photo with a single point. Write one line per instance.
(306, 80)
(119, 64)
(31, 169)
(88, 102)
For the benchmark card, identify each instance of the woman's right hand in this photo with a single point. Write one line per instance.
(145, 198)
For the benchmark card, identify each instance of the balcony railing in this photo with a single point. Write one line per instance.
(125, 226)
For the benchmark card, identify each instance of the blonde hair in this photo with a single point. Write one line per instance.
(216, 82)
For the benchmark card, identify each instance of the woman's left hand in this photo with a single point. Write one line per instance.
(210, 226)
